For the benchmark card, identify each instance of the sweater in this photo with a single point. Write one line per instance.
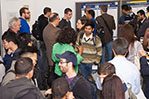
(92, 50)
(59, 49)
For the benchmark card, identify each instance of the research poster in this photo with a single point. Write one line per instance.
(112, 10)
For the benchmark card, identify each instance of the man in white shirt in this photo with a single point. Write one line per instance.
(126, 70)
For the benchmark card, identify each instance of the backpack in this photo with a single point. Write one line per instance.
(36, 30)
(89, 85)
(100, 32)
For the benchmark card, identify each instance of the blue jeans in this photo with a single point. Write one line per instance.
(107, 46)
(85, 69)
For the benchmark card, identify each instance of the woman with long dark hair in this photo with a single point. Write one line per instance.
(113, 88)
(127, 32)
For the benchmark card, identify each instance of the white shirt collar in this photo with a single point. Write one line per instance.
(143, 20)
(87, 38)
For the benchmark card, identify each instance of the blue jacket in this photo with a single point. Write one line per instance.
(24, 26)
(94, 25)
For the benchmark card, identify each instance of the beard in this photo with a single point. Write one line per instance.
(27, 17)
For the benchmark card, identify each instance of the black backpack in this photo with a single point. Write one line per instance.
(89, 85)
(100, 32)
(36, 30)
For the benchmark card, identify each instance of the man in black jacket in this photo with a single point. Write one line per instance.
(107, 21)
(145, 72)
(76, 83)
(21, 87)
(66, 20)
(43, 20)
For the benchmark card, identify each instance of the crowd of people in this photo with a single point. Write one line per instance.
(55, 61)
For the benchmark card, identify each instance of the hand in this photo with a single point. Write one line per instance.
(49, 91)
(80, 48)
(142, 53)
(9, 51)
(70, 95)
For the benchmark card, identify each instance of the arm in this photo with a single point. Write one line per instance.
(122, 20)
(99, 49)
(61, 24)
(143, 64)
(113, 23)
(78, 46)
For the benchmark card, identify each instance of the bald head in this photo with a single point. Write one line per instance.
(54, 19)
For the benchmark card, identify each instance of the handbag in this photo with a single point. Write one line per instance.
(137, 57)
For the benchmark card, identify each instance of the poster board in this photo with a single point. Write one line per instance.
(112, 10)
(138, 6)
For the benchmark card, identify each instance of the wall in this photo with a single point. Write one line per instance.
(11, 8)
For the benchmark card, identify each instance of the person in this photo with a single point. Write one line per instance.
(107, 21)
(30, 52)
(133, 21)
(60, 89)
(109, 80)
(50, 34)
(11, 44)
(43, 21)
(66, 20)
(86, 10)
(125, 18)
(92, 49)
(110, 83)
(2, 69)
(146, 40)
(144, 72)
(144, 23)
(90, 15)
(77, 84)
(24, 16)
(81, 25)
(24, 39)
(147, 14)
(14, 25)
(135, 46)
(125, 69)
(21, 87)
(65, 41)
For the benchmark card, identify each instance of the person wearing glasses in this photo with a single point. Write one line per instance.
(24, 16)
(77, 83)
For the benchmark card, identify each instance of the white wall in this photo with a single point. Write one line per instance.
(11, 8)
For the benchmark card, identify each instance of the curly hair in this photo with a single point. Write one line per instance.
(67, 35)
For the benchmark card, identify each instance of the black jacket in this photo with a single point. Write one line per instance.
(80, 89)
(43, 21)
(64, 23)
(145, 73)
(20, 89)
